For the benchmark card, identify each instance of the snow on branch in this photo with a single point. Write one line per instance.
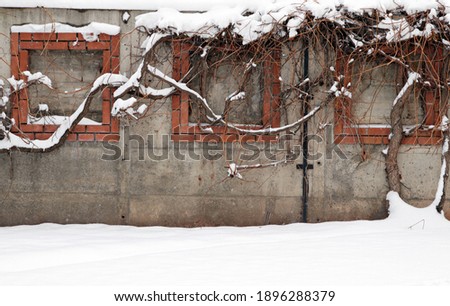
(412, 77)
(219, 118)
(12, 141)
(135, 80)
(183, 87)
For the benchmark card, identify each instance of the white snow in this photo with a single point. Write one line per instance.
(400, 29)
(409, 248)
(233, 171)
(90, 32)
(16, 84)
(251, 20)
(58, 120)
(12, 140)
(43, 107)
(109, 79)
(412, 77)
(38, 77)
(316, 6)
(4, 100)
(236, 96)
(122, 105)
(142, 109)
(125, 17)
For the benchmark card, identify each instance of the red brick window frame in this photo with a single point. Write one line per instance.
(347, 132)
(22, 43)
(183, 130)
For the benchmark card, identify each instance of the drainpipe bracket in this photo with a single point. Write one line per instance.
(308, 167)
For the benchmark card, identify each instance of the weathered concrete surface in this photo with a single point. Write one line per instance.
(70, 185)
(71, 73)
(212, 211)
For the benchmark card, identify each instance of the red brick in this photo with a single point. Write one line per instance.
(86, 137)
(429, 140)
(182, 137)
(372, 140)
(67, 36)
(342, 139)
(211, 138)
(115, 125)
(23, 93)
(220, 129)
(14, 100)
(43, 136)
(193, 130)
(185, 58)
(247, 138)
(23, 111)
(409, 140)
(176, 104)
(23, 60)
(106, 61)
(106, 94)
(423, 140)
(185, 129)
(56, 45)
(104, 37)
(80, 37)
(32, 128)
(98, 45)
(14, 38)
(98, 128)
(25, 36)
(276, 118)
(106, 112)
(184, 113)
(44, 36)
(366, 131)
(176, 129)
(32, 45)
(72, 137)
(50, 128)
(230, 138)
(79, 129)
(267, 138)
(115, 65)
(15, 66)
(115, 45)
(107, 137)
(78, 46)
(29, 136)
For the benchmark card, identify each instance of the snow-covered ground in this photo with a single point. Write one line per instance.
(395, 251)
(411, 247)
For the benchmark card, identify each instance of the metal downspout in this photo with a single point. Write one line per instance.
(304, 165)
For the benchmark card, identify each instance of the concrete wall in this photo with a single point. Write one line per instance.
(75, 184)
(71, 73)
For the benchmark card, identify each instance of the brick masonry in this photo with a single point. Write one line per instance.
(23, 43)
(182, 130)
(346, 132)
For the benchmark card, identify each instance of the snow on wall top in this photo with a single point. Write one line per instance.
(251, 23)
(316, 6)
(90, 32)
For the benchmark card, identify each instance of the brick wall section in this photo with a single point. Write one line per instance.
(346, 133)
(182, 131)
(22, 43)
